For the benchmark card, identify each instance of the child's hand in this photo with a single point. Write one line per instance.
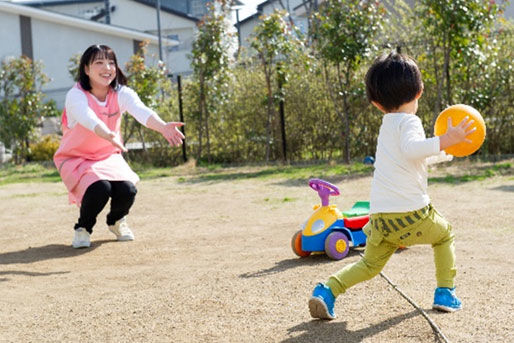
(172, 134)
(456, 134)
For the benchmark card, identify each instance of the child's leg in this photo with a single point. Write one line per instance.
(123, 196)
(444, 254)
(94, 200)
(376, 255)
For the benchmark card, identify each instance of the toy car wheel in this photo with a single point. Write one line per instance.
(296, 244)
(337, 245)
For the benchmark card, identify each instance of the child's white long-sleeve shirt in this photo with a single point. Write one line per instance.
(403, 152)
(78, 111)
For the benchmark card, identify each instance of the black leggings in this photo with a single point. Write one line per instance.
(122, 194)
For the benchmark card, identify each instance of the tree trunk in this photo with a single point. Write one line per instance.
(346, 111)
(200, 119)
(337, 107)
(207, 136)
(267, 72)
(447, 50)
(439, 86)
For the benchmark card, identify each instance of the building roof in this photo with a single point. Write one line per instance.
(41, 3)
(151, 3)
(72, 21)
(167, 9)
(258, 13)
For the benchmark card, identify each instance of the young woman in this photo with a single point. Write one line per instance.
(89, 157)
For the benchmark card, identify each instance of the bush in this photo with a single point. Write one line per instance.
(45, 148)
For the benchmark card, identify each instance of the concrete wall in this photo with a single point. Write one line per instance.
(54, 46)
(55, 41)
(9, 35)
(142, 17)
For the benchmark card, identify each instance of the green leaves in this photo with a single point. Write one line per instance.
(21, 105)
(346, 30)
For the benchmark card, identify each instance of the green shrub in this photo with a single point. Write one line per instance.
(45, 148)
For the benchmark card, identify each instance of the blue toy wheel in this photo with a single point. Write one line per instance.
(337, 245)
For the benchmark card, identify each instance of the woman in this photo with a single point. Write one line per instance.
(89, 157)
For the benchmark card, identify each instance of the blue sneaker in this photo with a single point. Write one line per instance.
(446, 300)
(321, 304)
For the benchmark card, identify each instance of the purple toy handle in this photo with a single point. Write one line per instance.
(324, 189)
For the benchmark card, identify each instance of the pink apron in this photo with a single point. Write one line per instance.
(84, 158)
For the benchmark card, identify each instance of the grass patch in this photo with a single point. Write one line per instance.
(30, 172)
(475, 174)
(280, 200)
(456, 172)
(283, 172)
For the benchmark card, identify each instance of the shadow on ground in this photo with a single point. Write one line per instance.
(46, 252)
(505, 188)
(291, 263)
(24, 273)
(334, 331)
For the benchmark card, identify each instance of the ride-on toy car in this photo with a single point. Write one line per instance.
(327, 229)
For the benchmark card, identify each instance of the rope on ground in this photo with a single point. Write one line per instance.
(434, 326)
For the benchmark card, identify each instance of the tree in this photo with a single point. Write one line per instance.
(209, 61)
(152, 86)
(276, 47)
(343, 39)
(22, 104)
(453, 33)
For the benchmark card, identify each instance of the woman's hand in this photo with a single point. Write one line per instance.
(102, 131)
(116, 141)
(169, 130)
(172, 134)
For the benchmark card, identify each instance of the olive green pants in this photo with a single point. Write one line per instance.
(386, 232)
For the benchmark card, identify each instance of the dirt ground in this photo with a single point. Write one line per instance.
(212, 263)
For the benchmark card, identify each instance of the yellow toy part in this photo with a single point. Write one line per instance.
(457, 113)
(321, 220)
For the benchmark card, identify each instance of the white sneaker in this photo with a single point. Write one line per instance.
(121, 230)
(81, 239)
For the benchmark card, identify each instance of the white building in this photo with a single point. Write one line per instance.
(299, 11)
(53, 38)
(140, 15)
(247, 25)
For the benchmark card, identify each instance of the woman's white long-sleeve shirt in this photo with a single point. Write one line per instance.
(78, 111)
(403, 153)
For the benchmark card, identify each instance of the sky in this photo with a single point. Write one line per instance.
(249, 8)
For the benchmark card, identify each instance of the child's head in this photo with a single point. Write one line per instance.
(93, 53)
(393, 80)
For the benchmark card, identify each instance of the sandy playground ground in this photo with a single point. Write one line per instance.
(212, 263)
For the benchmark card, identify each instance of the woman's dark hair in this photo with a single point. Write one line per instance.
(93, 53)
(393, 80)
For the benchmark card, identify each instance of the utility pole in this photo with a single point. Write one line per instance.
(107, 12)
(158, 8)
(238, 25)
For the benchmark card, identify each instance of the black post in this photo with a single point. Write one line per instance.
(158, 8)
(282, 116)
(107, 12)
(238, 25)
(181, 115)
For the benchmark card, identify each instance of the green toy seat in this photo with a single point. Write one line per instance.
(360, 208)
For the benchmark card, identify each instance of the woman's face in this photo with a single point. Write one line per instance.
(101, 72)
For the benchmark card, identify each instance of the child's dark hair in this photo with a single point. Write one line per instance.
(89, 56)
(393, 80)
